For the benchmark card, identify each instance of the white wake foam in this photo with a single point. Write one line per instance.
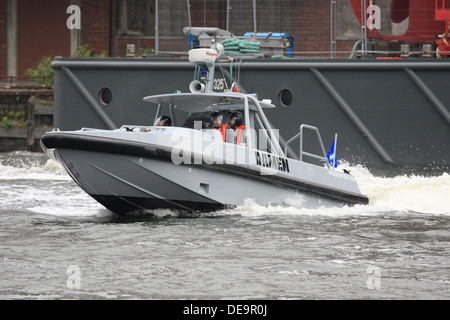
(55, 193)
(400, 194)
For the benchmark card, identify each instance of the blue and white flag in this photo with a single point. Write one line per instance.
(332, 156)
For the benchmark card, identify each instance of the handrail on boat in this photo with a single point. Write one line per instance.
(300, 134)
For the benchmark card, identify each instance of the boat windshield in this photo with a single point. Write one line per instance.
(204, 102)
(200, 106)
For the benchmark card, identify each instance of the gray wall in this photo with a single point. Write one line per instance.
(384, 112)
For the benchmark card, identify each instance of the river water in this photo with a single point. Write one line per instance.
(58, 243)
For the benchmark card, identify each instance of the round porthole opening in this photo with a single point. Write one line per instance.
(105, 95)
(285, 97)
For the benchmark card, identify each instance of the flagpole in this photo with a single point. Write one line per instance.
(334, 151)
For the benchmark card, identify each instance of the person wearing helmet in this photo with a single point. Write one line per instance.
(217, 124)
(236, 122)
(163, 121)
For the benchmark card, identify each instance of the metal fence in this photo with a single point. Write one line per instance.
(324, 28)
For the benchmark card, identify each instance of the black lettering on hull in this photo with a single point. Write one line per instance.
(272, 161)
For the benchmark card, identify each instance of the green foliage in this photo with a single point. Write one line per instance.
(43, 73)
(145, 51)
(6, 123)
(14, 118)
(84, 51)
(18, 115)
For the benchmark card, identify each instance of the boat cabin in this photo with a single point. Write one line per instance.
(198, 107)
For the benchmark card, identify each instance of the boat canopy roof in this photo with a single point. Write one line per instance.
(201, 102)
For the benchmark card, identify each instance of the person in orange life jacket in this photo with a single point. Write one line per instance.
(163, 121)
(236, 123)
(217, 124)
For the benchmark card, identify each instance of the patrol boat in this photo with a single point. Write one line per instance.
(187, 165)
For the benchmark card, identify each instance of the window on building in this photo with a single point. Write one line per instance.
(137, 17)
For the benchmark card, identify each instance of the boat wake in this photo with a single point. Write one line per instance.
(405, 193)
(30, 181)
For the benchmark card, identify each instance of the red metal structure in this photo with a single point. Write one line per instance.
(442, 12)
(425, 18)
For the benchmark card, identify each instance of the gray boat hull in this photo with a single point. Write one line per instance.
(126, 184)
(132, 176)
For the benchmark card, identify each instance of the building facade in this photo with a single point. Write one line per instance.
(33, 29)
